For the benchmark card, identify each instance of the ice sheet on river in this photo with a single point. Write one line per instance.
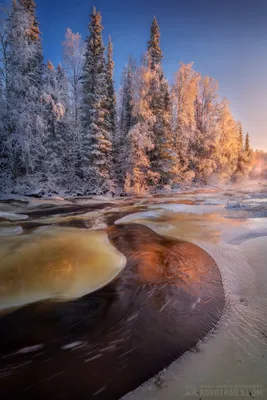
(10, 230)
(12, 216)
(158, 210)
(55, 263)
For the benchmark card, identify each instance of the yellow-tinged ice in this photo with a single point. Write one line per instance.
(55, 262)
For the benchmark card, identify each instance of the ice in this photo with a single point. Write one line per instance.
(10, 230)
(30, 349)
(159, 210)
(53, 262)
(235, 204)
(214, 202)
(12, 217)
(73, 345)
(47, 202)
(139, 216)
(190, 209)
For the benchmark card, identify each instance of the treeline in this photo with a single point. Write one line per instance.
(64, 128)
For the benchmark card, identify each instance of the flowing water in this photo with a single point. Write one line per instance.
(54, 249)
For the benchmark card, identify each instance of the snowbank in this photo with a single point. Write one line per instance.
(10, 230)
(235, 354)
(12, 217)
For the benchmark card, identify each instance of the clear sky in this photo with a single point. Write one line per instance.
(227, 39)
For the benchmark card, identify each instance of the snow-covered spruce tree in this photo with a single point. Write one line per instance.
(111, 99)
(243, 167)
(5, 171)
(247, 145)
(154, 50)
(241, 139)
(96, 137)
(246, 157)
(121, 144)
(112, 124)
(33, 29)
(23, 92)
(162, 156)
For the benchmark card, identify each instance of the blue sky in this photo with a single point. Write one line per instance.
(227, 39)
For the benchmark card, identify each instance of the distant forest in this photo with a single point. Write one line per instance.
(63, 129)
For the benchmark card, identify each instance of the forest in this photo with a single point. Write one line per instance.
(64, 129)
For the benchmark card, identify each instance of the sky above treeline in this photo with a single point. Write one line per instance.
(226, 39)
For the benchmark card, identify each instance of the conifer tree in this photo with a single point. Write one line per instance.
(33, 30)
(5, 170)
(122, 145)
(241, 138)
(247, 145)
(243, 163)
(162, 157)
(29, 5)
(23, 90)
(127, 118)
(96, 137)
(154, 49)
(111, 96)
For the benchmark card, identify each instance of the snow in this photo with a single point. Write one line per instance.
(10, 231)
(190, 209)
(235, 354)
(13, 217)
(235, 204)
(72, 345)
(30, 349)
(138, 216)
(214, 202)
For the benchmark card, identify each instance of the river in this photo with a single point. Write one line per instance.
(57, 249)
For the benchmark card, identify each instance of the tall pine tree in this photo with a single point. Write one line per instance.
(33, 30)
(154, 49)
(247, 144)
(111, 96)
(241, 137)
(96, 136)
(122, 142)
(162, 157)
